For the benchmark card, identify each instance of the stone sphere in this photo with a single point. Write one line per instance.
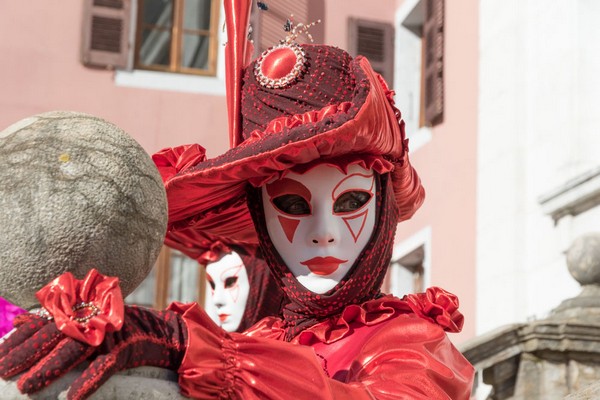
(76, 193)
(583, 259)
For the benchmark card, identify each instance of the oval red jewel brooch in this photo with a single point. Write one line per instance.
(280, 66)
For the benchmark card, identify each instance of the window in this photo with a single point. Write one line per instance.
(175, 277)
(267, 25)
(169, 35)
(375, 41)
(410, 267)
(420, 60)
(177, 36)
(406, 274)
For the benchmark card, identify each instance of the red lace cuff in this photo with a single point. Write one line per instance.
(84, 309)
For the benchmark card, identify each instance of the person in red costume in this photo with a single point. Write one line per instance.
(242, 289)
(229, 288)
(318, 177)
(263, 297)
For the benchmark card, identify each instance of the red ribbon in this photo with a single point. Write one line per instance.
(84, 309)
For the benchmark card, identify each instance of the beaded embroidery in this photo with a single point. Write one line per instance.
(42, 312)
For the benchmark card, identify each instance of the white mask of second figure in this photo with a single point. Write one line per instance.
(320, 221)
(229, 285)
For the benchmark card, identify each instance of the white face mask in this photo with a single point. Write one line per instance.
(228, 280)
(320, 222)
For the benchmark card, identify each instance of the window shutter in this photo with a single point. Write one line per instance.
(105, 35)
(433, 41)
(375, 41)
(267, 26)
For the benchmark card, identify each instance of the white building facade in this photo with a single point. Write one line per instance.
(538, 152)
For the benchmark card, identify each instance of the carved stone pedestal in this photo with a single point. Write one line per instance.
(551, 358)
(148, 383)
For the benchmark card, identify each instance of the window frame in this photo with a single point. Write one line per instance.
(176, 41)
(419, 244)
(158, 289)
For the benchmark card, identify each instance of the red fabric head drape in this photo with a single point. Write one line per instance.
(363, 281)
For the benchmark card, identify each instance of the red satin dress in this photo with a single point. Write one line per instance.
(387, 348)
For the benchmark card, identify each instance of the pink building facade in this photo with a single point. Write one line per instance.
(41, 71)
(444, 154)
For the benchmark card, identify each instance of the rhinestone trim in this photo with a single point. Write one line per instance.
(42, 312)
(94, 311)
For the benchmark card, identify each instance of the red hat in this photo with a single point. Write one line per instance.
(294, 106)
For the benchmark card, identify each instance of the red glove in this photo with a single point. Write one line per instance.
(147, 338)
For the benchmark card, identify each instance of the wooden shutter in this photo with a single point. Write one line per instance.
(105, 35)
(267, 26)
(375, 41)
(433, 62)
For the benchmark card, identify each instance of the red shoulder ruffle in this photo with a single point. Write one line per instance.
(439, 306)
(435, 305)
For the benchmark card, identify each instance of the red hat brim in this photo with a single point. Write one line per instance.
(210, 197)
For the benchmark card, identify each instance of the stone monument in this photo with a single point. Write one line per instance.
(79, 193)
(551, 358)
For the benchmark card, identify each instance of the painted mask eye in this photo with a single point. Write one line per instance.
(292, 204)
(210, 282)
(351, 201)
(230, 282)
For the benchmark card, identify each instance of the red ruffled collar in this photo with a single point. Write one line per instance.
(435, 305)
